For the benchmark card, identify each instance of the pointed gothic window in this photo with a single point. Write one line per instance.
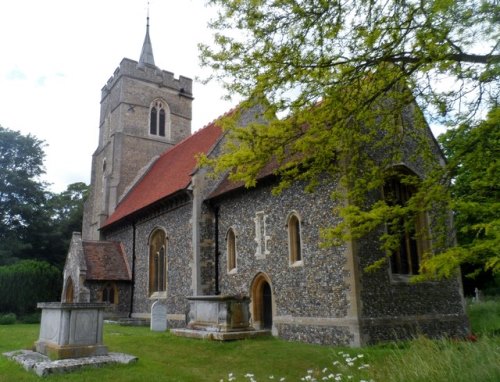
(109, 294)
(231, 250)
(153, 121)
(158, 262)
(294, 239)
(159, 119)
(161, 125)
(413, 232)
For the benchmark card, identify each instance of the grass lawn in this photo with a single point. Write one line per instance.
(164, 357)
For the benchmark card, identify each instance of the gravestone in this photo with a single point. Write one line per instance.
(158, 317)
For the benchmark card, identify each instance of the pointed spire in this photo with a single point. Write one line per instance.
(147, 49)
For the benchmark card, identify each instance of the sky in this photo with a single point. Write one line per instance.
(56, 55)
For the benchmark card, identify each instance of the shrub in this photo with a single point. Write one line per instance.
(33, 318)
(27, 282)
(7, 319)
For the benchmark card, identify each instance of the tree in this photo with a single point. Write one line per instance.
(66, 215)
(34, 223)
(473, 154)
(344, 77)
(22, 195)
(299, 51)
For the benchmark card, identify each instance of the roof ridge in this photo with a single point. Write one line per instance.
(229, 112)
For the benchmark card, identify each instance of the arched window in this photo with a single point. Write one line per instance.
(158, 262)
(109, 294)
(294, 239)
(231, 250)
(70, 291)
(159, 119)
(413, 232)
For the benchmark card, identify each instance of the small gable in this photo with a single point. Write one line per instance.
(106, 261)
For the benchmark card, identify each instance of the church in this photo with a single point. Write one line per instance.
(157, 228)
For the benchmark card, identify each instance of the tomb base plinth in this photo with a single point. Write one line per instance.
(219, 313)
(71, 330)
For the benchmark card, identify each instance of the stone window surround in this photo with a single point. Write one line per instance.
(292, 257)
(423, 242)
(112, 288)
(232, 264)
(160, 104)
(157, 294)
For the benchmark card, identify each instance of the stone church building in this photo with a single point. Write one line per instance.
(157, 228)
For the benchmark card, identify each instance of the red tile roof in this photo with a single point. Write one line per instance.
(106, 260)
(169, 174)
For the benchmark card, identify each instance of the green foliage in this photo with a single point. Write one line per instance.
(27, 282)
(165, 357)
(444, 360)
(34, 223)
(345, 78)
(299, 51)
(473, 153)
(22, 195)
(66, 215)
(31, 318)
(7, 319)
(485, 316)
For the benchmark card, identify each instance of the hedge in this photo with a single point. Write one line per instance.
(27, 282)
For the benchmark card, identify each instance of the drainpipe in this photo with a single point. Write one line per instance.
(132, 289)
(216, 251)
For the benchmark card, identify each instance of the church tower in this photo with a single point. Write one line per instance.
(144, 111)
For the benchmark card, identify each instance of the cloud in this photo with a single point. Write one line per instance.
(16, 75)
(41, 81)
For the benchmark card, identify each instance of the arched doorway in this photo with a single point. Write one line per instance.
(262, 302)
(70, 291)
(267, 306)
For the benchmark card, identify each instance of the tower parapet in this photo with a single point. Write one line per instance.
(148, 73)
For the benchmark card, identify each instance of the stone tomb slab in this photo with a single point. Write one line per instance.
(42, 365)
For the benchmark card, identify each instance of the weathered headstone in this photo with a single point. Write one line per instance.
(158, 317)
(478, 295)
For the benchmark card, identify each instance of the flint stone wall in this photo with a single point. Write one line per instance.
(177, 225)
(123, 288)
(317, 288)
